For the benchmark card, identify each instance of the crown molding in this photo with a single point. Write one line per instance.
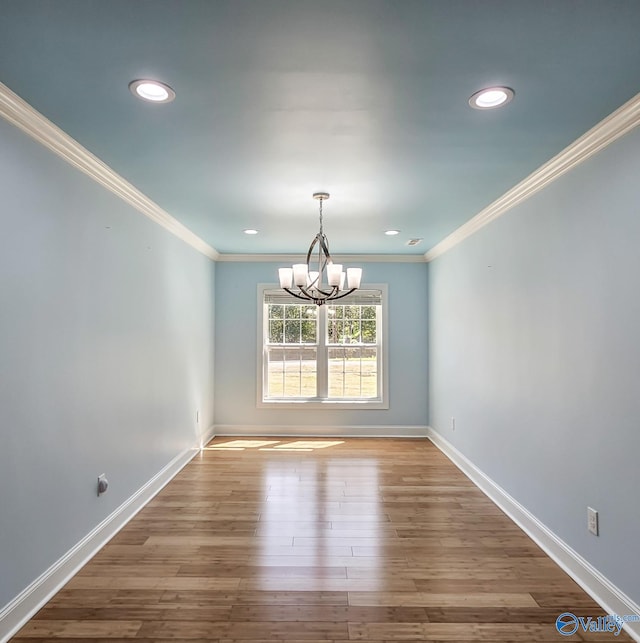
(597, 138)
(19, 113)
(297, 258)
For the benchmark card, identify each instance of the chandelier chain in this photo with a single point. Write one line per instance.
(321, 200)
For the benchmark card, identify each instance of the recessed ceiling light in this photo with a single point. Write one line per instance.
(250, 231)
(491, 97)
(392, 233)
(152, 91)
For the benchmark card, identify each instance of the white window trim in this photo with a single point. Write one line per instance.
(313, 403)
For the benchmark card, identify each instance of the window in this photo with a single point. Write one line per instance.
(323, 355)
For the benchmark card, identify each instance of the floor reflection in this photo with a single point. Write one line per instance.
(320, 517)
(240, 445)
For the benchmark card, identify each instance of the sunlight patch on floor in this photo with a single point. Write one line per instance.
(241, 445)
(310, 444)
(284, 448)
(273, 445)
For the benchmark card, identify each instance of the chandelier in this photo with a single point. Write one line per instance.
(309, 283)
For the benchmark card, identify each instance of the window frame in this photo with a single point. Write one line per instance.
(377, 403)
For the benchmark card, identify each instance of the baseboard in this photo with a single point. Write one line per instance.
(16, 613)
(207, 436)
(590, 579)
(297, 430)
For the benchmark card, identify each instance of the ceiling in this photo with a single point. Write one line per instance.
(365, 99)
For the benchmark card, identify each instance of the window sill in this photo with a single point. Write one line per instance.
(327, 405)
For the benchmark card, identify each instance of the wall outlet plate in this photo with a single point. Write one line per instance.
(592, 521)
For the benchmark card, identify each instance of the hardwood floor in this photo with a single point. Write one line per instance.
(317, 540)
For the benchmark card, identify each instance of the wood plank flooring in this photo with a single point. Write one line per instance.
(317, 540)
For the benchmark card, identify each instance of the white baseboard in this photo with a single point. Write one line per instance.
(207, 436)
(324, 431)
(590, 579)
(16, 613)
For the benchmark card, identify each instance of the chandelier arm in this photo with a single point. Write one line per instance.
(321, 264)
(311, 247)
(298, 295)
(323, 249)
(313, 297)
(325, 294)
(324, 246)
(342, 295)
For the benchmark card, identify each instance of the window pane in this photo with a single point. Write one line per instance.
(346, 332)
(335, 332)
(276, 331)
(331, 330)
(276, 311)
(353, 372)
(292, 311)
(368, 312)
(292, 372)
(309, 331)
(352, 331)
(292, 331)
(275, 371)
(309, 312)
(352, 324)
(369, 331)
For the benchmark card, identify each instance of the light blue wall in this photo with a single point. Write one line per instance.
(534, 336)
(106, 350)
(236, 351)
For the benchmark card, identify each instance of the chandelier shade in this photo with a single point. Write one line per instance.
(319, 279)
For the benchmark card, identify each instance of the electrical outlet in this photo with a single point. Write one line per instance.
(592, 521)
(453, 424)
